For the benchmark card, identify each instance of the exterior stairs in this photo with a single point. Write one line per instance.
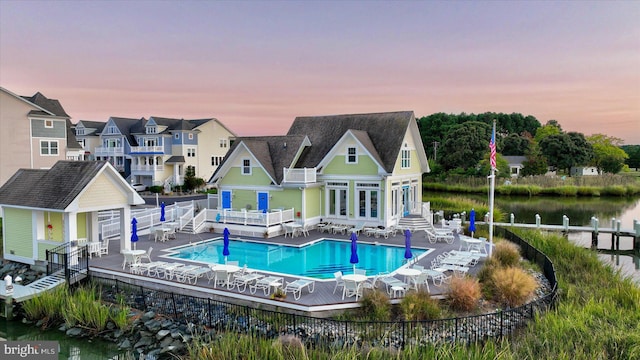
(47, 282)
(188, 228)
(414, 222)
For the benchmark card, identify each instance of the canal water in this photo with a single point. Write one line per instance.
(580, 210)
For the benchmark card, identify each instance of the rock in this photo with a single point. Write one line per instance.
(147, 316)
(144, 341)
(162, 334)
(153, 325)
(166, 342)
(125, 344)
(74, 332)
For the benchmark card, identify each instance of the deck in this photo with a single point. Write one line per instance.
(322, 300)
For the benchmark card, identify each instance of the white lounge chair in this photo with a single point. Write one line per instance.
(150, 268)
(241, 281)
(190, 273)
(296, 287)
(266, 284)
(168, 271)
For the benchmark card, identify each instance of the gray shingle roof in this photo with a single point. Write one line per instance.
(54, 188)
(51, 105)
(386, 132)
(175, 159)
(98, 125)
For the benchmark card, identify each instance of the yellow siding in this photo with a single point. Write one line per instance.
(102, 193)
(82, 226)
(19, 232)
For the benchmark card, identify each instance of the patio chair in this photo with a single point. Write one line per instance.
(266, 283)
(360, 271)
(221, 277)
(169, 270)
(151, 268)
(421, 279)
(190, 273)
(129, 259)
(236, 263)
(93, 248)
(358, 228)
(351, 288)
(242, 280)
(339, 281)
(390, 281)
(104, 247)
(437, 277)
(147, 255)
(296, 287)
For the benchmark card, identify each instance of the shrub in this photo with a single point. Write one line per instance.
(156, 189)
(375, 305)
(485, 276)
(418, 305)
(513, 286)
(464, 293)
(507, 253)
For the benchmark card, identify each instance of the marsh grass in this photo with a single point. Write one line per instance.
(419, 305)
(459, 204)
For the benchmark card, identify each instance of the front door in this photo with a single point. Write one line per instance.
(406, 200)
(263, 201)
(226, 199)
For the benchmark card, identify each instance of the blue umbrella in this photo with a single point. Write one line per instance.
(354, 250)
(162, 211)
(134, 232)
(472, 221)
(407, 244)
(218, 218)
(225, 249)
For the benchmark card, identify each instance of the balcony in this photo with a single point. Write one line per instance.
(109, 151)
(147, 168)
(147, 150)
(299, 176)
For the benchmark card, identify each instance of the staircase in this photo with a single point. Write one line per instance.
(188, 228)
(414, 222)
(47, 282)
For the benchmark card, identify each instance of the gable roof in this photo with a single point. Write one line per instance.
(385, 131)
(51, 105)
(97, 125)
(515, 160)
(54, 188)
(129, 126)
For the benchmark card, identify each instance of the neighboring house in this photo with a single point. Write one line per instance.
(584, 171)
(516, 163)
(159, 151)
(35, 133)
(362, 168)
(44, 209)
(88, 136)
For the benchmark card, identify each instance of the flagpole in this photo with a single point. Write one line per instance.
(492, 189)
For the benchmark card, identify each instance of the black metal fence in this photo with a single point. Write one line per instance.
(228, 317)
(74, 261)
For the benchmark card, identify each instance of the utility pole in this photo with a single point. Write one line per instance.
(435, 150)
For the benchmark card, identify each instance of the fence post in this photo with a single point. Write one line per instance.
(209, 311)
(538, 220)
(175, 310)
(512, 219)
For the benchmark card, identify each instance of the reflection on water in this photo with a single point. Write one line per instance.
(70, 348)
(579, 210)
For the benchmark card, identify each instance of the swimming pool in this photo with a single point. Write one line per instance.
(318, 259)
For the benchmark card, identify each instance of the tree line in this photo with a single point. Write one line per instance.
(459, 143)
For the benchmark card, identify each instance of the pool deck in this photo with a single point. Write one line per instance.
(321, 301)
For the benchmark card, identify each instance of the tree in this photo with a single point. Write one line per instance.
(546, 131)
(634, 155)
(502, 166)
(515, 145)
(607, 154)
(565, 150)
(191, 182)
(536, 163)
(465, 145)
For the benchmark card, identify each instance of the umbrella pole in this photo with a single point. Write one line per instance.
(354, 268)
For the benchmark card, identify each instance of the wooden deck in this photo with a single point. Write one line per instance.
(322, 300)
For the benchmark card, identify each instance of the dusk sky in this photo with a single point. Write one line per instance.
(255, 66)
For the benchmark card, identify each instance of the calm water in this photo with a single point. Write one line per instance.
(580, 210)
(317, 260)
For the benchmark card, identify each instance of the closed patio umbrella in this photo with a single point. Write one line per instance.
(225, 249)
(354, 250)
(162, 212)
(134, 232)
(472, 221)
(407, 244)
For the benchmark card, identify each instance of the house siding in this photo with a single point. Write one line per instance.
(19, 234)
(58, 131)
(55, 219)
(338, 166)
(15, 153)
(313, 203)
(235, 178)
(82, 225)
(287, 199)
(101, 194)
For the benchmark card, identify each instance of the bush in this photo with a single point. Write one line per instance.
(375, 305)
(464, 293)
(418, 305)
(513, 286)
(507, 253)
(156, 189)
(485, 276)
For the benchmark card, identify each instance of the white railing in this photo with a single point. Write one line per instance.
(186, 217)
(147, 149)
(105, 151)
(110, 230)
(147, 167)
(199, 221)
(306, 175)
(244, 217)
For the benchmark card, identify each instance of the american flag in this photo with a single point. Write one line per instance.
(492, 147)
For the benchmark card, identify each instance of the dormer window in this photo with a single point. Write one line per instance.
(152, 130)
(352, 156)
(79, 131)
(111, 129)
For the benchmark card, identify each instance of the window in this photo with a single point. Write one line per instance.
(79, 131)
(177, 136)
(216, 160)
(352, 157)
(191, 152)
(223, 143)
(152, 130)
(49, 147)
(112, 130)
(48, 124)
(246, 167)
(190, 136)
(406, 158)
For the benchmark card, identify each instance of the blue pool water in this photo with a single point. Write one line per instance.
(318, 260)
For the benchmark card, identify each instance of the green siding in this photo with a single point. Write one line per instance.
(313, 201)
(55, 219)
(235, 178)
(59, 129)
(82, 226)
(287, 199)
(337, 165)
(18, 232)
(42, 250)
(242, 198)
